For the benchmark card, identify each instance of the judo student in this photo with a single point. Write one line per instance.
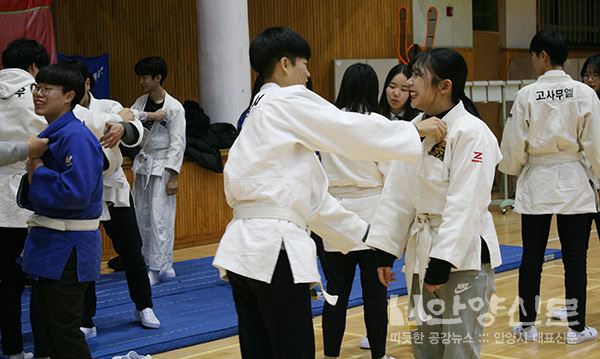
(64, 189)
(435, 212)
(119, 220)
(356, 185)
(590, 73)
(22, 60)
(551, 123)
(277, 187)
(157, 168)
(395, 100)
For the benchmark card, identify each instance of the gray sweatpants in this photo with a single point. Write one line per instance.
(458, 312)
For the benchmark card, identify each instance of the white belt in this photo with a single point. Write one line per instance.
(418, 249)
(269, 212)
(354, 192)
(552, 158)
(113, 183)
(63, 225)
(264, 212)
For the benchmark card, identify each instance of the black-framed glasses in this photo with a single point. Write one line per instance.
(594, 76)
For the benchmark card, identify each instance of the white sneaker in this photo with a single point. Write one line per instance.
(575, 337)
(21, 355)
(387, 357)
(147, 318)
(132, 355)
(89, 332)
(364, 343)
(529, 334)
(154, 277)
(167, 274)
(559, 314)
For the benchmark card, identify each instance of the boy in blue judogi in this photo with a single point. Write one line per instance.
(64, 189)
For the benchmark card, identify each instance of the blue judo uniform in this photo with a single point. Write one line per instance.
(67, 186)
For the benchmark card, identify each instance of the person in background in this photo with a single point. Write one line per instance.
(157, 168)
(590, 73)
(356, 185)
(22, 59)
(394, 102)
(114, 125)
(552, 122)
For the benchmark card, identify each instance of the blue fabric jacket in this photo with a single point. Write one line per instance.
(67, 186)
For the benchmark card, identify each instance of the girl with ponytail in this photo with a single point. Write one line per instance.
(435, 212)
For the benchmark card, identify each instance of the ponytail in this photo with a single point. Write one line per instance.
(468, 103)
(258, 83)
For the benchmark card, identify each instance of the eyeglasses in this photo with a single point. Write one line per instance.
(594, 76)
(42, 90)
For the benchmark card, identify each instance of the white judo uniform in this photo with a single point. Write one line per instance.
(116, 186)
(19, 122)
(95, 117)
(356, 185)
(162, 147)
(276, 185)
(551, 123)
(438, 206)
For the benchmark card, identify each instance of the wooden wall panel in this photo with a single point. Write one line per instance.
(335, 29)
(129, 31)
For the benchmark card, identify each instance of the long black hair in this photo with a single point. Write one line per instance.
(384, 105)
(445, 64)
(358, 90)
(592, 62)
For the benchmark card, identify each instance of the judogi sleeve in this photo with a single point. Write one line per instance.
(395, 213)
(95, 121)
(514, 137)
(339, 227)
(472, 169)
(136, 126)
(11, 152)
(590, 133)
(321, 126)
(72, 188)
(176, 124)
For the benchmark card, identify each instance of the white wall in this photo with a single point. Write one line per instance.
(224, 66)
(519, 23)
(455, 31)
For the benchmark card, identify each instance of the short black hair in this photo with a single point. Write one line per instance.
(593, 62)
(81, 67)
(22, 53)
(65, 75)
(553, 43)
(273, 44)
(358, 90)
(153, 66)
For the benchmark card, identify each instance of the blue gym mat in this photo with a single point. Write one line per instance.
(194, 308)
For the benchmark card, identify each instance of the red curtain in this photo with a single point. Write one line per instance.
(30, 19)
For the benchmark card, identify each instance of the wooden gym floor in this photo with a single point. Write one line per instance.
(497, 335)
